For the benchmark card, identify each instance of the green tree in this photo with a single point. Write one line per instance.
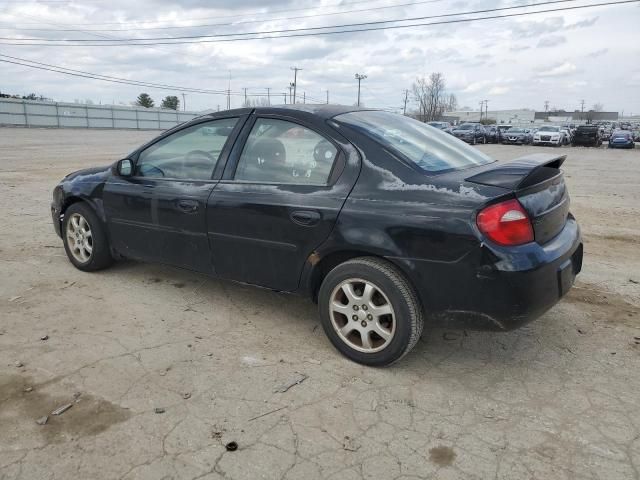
(171, 102)
(144, 100)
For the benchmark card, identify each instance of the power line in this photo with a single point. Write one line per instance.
(290, 30)
(111, 79)
(243, 15)
(228, 23)
(309, 34)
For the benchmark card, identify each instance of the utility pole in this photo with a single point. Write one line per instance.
(406, 99)
(268, 96)
(290, 89)
(481, 108)
(582, 106)
(304, 97)
(184, 102)
(486, 109)
(327, 97)
(229, 92)
(295, 81)
(285, 97)
(359, 78)
(245, 97)
(546, 105)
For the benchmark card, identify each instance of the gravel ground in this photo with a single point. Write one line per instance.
(557, 399)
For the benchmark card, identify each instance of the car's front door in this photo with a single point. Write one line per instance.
(279, 199)
(159, 212)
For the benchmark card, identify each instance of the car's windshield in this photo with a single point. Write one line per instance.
(465, 126)
(549, 129)
(430, 149)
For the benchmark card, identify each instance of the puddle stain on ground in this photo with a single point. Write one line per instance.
(19, 410)
(442, 456)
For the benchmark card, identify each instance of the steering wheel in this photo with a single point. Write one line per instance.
(148, 170)
(196, 154)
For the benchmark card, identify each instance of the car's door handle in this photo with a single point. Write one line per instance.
(187, 206)
(305, 218)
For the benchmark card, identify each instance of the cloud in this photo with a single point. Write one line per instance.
(515, 61)
(583, 23)
(559, 70)
(552, 41)
(499, 90)
(598, 53)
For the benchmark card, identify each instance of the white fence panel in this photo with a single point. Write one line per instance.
(31, 113)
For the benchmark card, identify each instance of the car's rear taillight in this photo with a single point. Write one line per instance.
(506, 223)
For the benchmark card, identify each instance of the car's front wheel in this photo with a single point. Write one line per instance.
(85, 240)
(370, 312)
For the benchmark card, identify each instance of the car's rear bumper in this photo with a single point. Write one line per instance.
(499, 288)
(621, 145)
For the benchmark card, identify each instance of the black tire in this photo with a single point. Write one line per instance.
(408, 315)
(100, 256)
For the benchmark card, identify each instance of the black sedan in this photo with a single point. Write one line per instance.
(383, 221)
(470, 132)
(517, 136)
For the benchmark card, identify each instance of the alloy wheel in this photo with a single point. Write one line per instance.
(79, 238)
(362, 315)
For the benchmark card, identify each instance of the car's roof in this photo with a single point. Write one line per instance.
(324, 111)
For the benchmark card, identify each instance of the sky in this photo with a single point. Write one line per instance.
(519, 62)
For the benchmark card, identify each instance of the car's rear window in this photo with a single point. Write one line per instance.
(429, 148)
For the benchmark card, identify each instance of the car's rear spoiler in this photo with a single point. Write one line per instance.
(521, 172)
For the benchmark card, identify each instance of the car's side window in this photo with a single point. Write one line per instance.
(278, 151)
(191, 153)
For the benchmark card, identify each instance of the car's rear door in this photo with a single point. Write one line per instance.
(282, 190)
(159, 213)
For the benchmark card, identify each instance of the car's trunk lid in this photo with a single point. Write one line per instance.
(538, 183)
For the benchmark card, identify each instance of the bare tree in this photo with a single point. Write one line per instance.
(431, 96)
(256, 102)
(598, 107)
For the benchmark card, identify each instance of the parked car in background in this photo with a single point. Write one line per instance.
(636, 135)
(621, 139)
(517, 136)
(470, 132)
(492, 133)
(587, 135)
(550, 135)
(384, 222)
(503, 128)
(568, 135)
(444, 126)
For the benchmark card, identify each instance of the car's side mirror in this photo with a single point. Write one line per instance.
(125, 167)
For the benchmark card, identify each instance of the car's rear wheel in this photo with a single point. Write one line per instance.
(370, 312)
(85, 240)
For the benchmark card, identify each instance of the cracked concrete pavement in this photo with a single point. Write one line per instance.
(557, 399)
